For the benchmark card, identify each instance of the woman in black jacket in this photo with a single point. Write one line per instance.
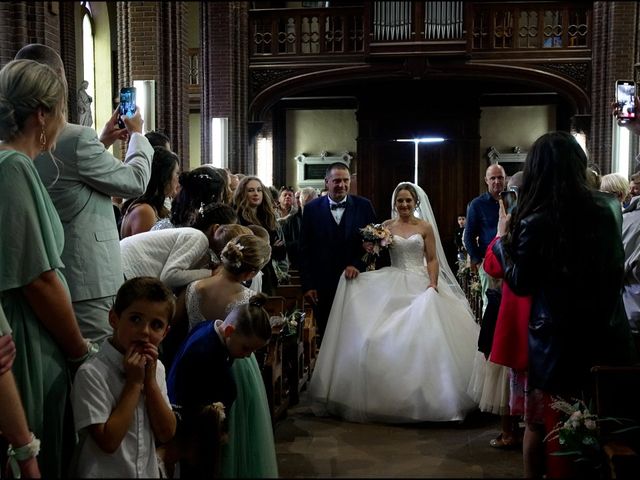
(563, 247)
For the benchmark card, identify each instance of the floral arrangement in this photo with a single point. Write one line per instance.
(475, 287)
(381, 238)
(579, 433)
(466, 276)
(219, 408)
(293, 322)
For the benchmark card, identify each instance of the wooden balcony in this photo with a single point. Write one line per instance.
(307, 34)
(500, 31)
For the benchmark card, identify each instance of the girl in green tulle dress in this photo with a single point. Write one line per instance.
(250, 452)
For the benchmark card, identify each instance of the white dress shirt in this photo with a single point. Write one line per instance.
(337, 212)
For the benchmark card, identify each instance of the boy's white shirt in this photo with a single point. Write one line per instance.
(96, 390)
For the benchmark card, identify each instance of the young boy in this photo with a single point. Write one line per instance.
(119, 396)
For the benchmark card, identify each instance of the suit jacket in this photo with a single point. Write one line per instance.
(87, 177)
(325, 248)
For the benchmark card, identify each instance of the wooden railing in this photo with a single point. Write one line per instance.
(541, 25)
(307, 31)
(394, 27)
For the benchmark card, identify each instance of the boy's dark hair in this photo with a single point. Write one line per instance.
(252, 319)
(157, 139)
(144, 288)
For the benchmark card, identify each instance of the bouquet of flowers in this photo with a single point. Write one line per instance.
(380, 237)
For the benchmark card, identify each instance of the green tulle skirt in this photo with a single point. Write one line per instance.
(251, 451)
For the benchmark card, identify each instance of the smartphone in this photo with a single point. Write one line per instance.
(127, 103)
(626, 98)
(510, 200)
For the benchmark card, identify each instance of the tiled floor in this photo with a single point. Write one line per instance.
(308, 446)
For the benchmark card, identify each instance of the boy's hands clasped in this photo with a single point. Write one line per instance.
(140, 363)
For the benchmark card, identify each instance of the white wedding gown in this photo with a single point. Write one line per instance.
(394, 351)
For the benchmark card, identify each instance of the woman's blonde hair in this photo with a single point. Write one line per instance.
(245, 253)
(615, 184)
(227, 232)
(25, 86)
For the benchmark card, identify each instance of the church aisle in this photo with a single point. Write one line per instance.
(312, 447)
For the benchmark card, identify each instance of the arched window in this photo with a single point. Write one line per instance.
(88, 57)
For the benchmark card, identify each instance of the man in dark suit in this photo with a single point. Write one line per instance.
(330, 241)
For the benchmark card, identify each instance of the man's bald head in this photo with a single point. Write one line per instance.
(494, 178)
(42, 54)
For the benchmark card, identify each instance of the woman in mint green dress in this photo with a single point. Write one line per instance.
(33, 292)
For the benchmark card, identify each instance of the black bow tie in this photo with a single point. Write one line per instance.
(335, 206)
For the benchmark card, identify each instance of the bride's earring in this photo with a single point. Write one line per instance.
(43, 139)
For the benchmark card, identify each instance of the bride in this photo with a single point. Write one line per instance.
(400, 341)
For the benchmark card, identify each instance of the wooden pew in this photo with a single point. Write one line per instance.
(292, 295)
(294, 300)
(617, 395)
(270, 359)
(309, 340)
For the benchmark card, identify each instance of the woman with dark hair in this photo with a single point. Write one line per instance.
(254, 205)
(140, 214)
(563, 247)
(199, 187)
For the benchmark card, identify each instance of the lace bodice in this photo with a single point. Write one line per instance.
(192, 302)
(408, 253)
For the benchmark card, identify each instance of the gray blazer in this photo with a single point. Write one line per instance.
(81, 183)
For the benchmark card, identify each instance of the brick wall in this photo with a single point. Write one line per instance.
(68, 53)
(615, 50)
(224, 60)
(49, 23)
(152, 45)
(27, 22)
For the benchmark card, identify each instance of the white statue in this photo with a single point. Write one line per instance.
(84, 105)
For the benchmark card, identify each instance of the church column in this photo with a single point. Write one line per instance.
(615, 50)
(224, 60)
